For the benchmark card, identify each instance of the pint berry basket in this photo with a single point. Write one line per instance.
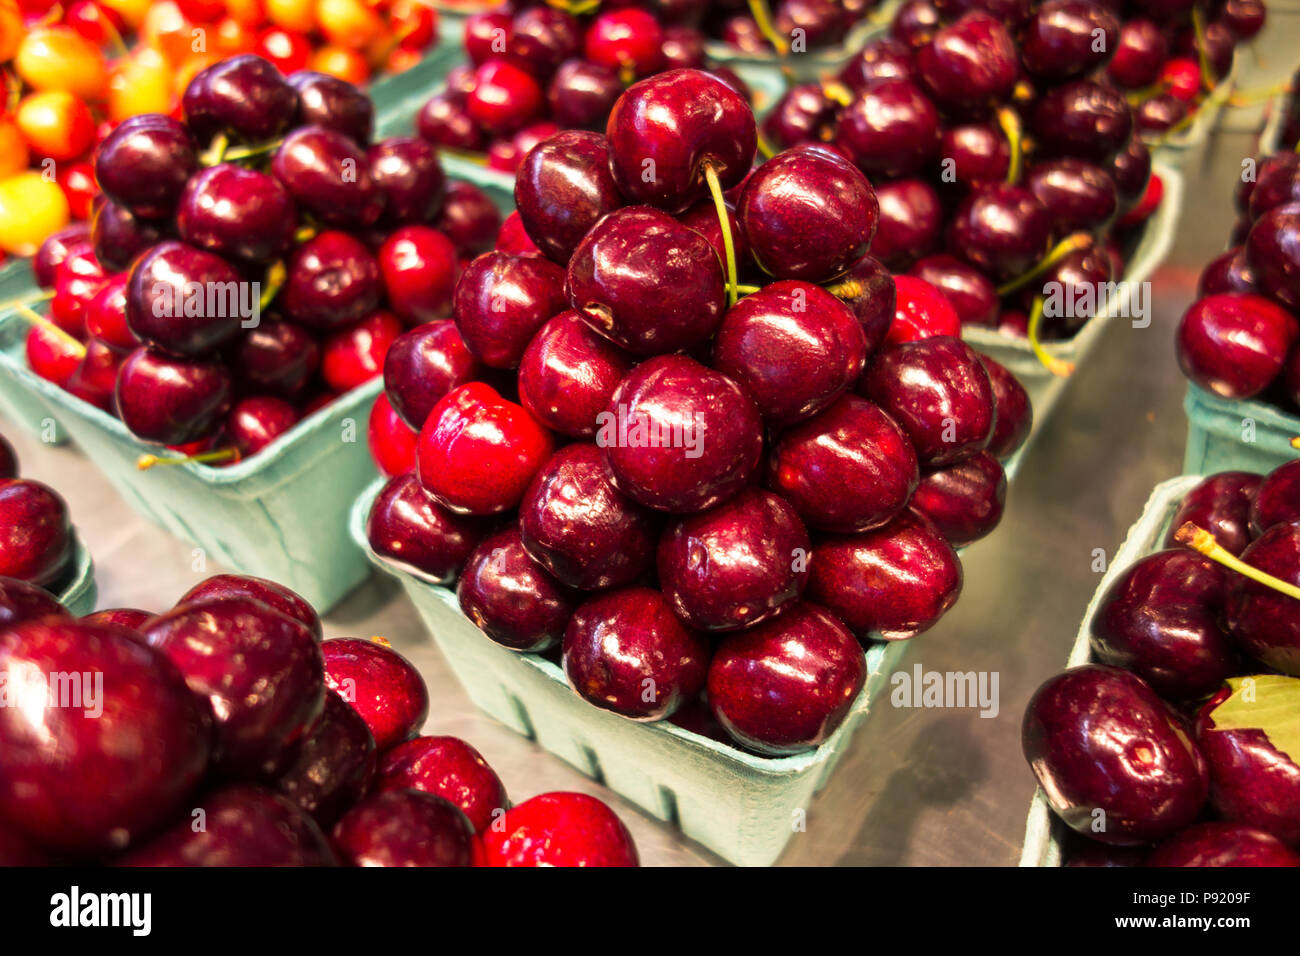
(1044, 833)
(281, 514)
(741, 806)
(1233, 435)
(1045, 389)
(79, 594)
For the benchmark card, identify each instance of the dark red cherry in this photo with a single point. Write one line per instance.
(1083, 119)
(628, 39)
(1229, 272)
(391, 441)
(964, 501)
(969, 65)
(36, 541)
(95, 377)
(869, 291)
(1223, 844)
(1274, 255)
(237, 213)
(915, 22)
(1263, 621)
(275, 356)
(333, 280)
(1112, 757)
(56, 247)
(804, 114)
(1013, 411)
(582, 93)
(1000, 228)
(419, 268)
(563, 188)
(380, 684)
(1068, 38)
(450, 768)
(785, 686)
(979, 153)
(445, 121)
(424, 364)
(502, 300)
(559, 829)
(119, 236)
(679, 436)
(1277, 499)
(333, 766)
(1160, 114)
(647, 282)
(627, 652)
(327, 101)
(542, 37)
(469, 218)
(329, 176)
(880, 58)
(970, 292)
(276, 596)
(487, 35)
(512, 598)
(890, 583)
(568, 374)
(184, 300)
(257, 421)
(1078, 196)
(144, 163)
(169, 400)
(106, 315)
(244, 95)
(663, 132)
(410, 179)
(890, 129)
(353, 355)
(504, 98)
(23, 601)
(404, 828)
(1221, 504)
(1234, 345)
(1140, 52)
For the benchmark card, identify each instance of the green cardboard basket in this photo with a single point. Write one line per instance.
(742, 807)
(79, 594)
(1045, 389)
(1044, 833)
(281, 514)
(1233, 435)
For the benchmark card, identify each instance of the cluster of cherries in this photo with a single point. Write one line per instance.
(677, 479)
(536, 70)
(817, 24)
(1240, 339)
(251, 263)
(1179, 737)
(225, 732)
(37, 546)
(1004, 155)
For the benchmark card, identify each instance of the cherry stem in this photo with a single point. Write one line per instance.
(1202, 57)
(216, 153)
(837, 92)
(1069, 244)
(576, 8)
(1198, 539)
(478, 159)
(758, 9)
(1009, 120)
(764, 146)
(724, 223)
(275, 278)
(35, 318)
(22, 300)
(748, 289)
(145, 462)
(248, 152)
(1057, 366)
(1243, 98)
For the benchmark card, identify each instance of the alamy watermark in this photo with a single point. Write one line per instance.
(632, 429)
(241, 300)
(33, 690)
(1087, 300)
(954, 690)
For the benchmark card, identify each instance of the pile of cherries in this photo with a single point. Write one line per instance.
(37, 543)
(1241, 338)
(819, 24)
(225, 732)
(1180, 737)
(1005, 157)
(534, 70)
(251, 263)
(675, 485)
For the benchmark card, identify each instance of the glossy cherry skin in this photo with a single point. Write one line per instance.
(560, 829)
(1277, 499)
(329, 176)
(890, 129)
(180, 299)
(255, 422)
(582, 93)
(964, 501)
(469, 218)
(449, 768)
(243, 826)
(404, 828)
(880, 58)
(502, 300)
(970, 292)
(543, 37)
(333, 766)
(1161, 620)
(22, 601)
(275, 356)
(327, 101)
(1276, 184)
(244, 95)
(1234, 345)
(353, 355)
(510, 597)
(915, 22)
(1274, 254)
(627, 652)
(979, 153)
(911, 221)
(445, 121)
(804, 114)
(1098, 738)
(83, 780)
(410, 179)
(52, 357)
(736, 564)
(1265, 622)
(477, 452)
(424, 364)
(276, 596)
(106, 315)
(333, 280)
(1221, 504)
(939, 392)
(890, 583)
(504, 98)
(1140, 52)
(1068, 38)
(144, 163)
(36, 540)
(1222, 844)
(678, 436)
(784, 686)
(869, 291)
(260, 670)
(119, 236)
(1160, 113)
(808, 214)
(56, 248)
(578, 526)
(793, 347)
(171, 401)
(391, 441)
(921, 311)
(1229, 272)
(563, 187)
(1014, 413)
(237, 213)
(1083, 119)
(1000, 228)
(679, 121)
(1077, 195)
(568, 374)
(969, 65)
(380, 685)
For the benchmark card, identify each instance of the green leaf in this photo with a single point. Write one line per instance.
(1267, 702)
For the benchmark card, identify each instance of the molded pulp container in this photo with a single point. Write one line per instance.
(79, 595)
(281, 514)
(1218, 429)
(1044, 833)
(742, 807)
(1044, 388)
(17, 403)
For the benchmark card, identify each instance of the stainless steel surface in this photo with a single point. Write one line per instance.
(919, 787)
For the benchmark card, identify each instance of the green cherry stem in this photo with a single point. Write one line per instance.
(1009, 120)
(1069, 244)
(33, 317)
(248, 152)
(1198, 539)
(275, 278)
(1057, 366)
(748, 289)
(145, 462)
(724, 223)
(25, 300)
(216, 153)
(1202, 57)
